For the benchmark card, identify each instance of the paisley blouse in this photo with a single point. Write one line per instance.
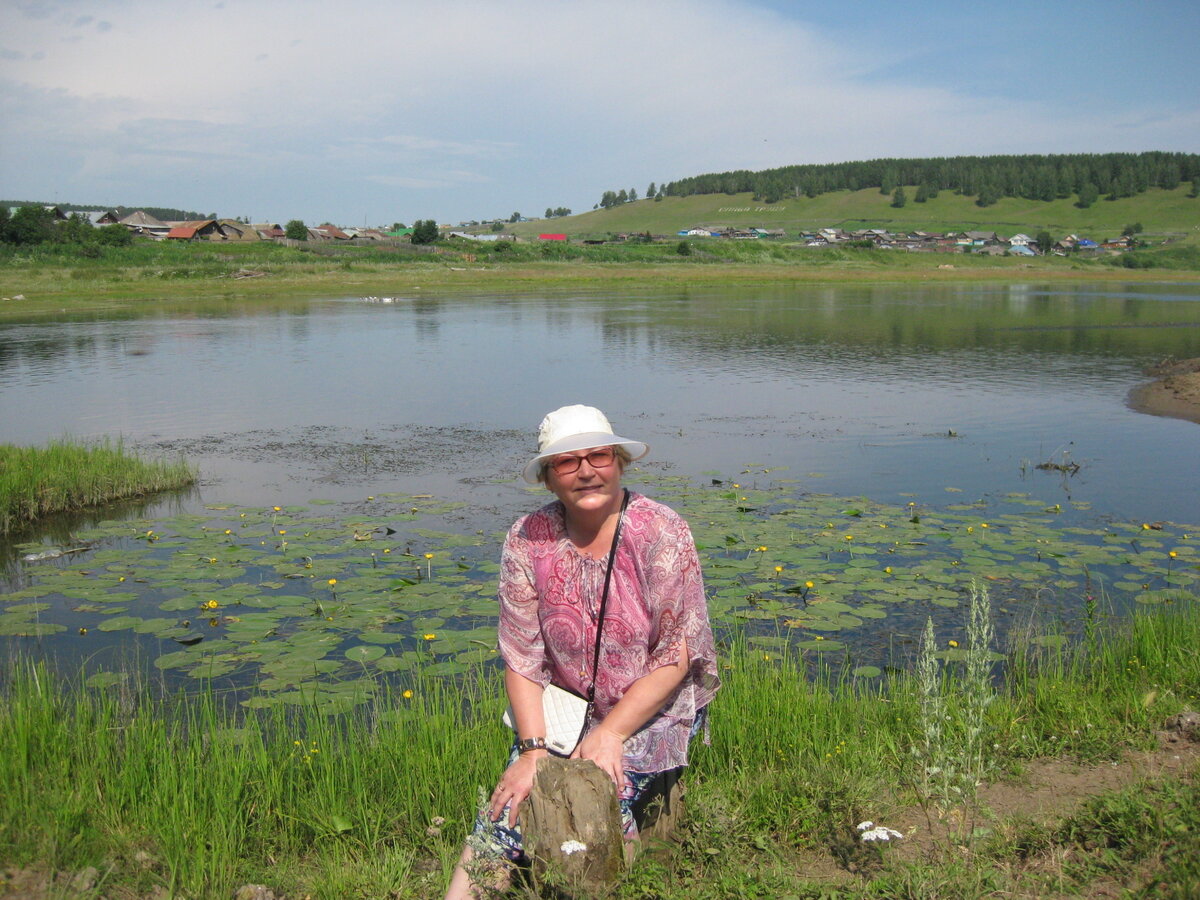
(549, 604)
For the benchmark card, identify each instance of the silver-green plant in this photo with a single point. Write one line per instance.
(930, 750)
(978, 690)
(952, 751)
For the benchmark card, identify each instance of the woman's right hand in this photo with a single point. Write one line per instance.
(515, 785)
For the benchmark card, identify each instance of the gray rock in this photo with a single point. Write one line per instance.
(254, 892)
(85, 880)
(1186, 724)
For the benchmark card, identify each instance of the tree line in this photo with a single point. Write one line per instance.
(31, 225)
(1087, 176)
(162, 213)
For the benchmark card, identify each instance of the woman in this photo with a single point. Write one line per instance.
(657, 670)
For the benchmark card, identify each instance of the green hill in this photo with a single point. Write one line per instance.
(1161, 212)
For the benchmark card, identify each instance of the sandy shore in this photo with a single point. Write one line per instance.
(1175, 392)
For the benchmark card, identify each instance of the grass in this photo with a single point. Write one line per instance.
(1159, 211)
(58, 280)
(67, 475)
(184, 794)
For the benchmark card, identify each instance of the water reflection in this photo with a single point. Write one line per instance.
(862, 384)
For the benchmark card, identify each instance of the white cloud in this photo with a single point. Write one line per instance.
(494, 105)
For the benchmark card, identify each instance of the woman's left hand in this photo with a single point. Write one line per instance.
(605, 748)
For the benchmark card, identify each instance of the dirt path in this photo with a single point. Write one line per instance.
(1048, 791)
(1175, 392)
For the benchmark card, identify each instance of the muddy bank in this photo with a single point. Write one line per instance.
(1175, 392)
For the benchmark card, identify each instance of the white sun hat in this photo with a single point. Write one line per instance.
(572, 428)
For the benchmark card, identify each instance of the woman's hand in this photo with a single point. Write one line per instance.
(515, 785)
(604, 747)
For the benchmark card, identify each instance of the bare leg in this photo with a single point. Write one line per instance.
(496, 875)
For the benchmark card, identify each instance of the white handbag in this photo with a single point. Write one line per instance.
(566, 716)
(566, 712)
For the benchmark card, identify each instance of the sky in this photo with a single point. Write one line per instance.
(377, 111)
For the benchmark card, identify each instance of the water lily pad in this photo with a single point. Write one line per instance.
(106, 679)
(119, 622)
(364, 653)
(1050, 640)
(821, 646)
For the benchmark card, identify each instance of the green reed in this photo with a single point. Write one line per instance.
(68, 475)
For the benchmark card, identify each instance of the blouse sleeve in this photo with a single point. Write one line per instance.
(520, 633)
(680, 609)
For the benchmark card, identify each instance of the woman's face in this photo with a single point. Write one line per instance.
(594, 487)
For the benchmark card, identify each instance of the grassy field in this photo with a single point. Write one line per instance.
(1159, 211)
(51, 280)
(134, 792)
(66, 476)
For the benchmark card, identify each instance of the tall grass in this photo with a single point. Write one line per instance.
(68, 475)
(192, 796)
(196, 796)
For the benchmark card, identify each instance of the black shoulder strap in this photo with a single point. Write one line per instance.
(612, 556)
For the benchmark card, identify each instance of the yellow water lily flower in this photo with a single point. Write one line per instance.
(429, 637)
(407, 695)
(952, 643)
(332, 582)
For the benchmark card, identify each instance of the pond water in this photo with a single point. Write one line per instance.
(895, 394)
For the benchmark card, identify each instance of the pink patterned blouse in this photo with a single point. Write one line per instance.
(550, 598)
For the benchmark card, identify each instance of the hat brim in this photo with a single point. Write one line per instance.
(584, 441)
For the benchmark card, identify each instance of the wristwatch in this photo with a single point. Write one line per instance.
(537, 743)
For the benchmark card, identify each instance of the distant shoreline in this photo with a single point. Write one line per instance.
(1174, 394)
(52, 288)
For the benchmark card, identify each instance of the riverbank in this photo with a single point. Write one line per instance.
(65, 476)
(155, 796)
(1174, 393)
(164, 274)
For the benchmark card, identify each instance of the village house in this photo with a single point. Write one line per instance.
(269, 231)
(198, 229)
(327, 232)
(143, 224)
(233, 230)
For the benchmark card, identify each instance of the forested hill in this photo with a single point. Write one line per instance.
(1089, 176)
